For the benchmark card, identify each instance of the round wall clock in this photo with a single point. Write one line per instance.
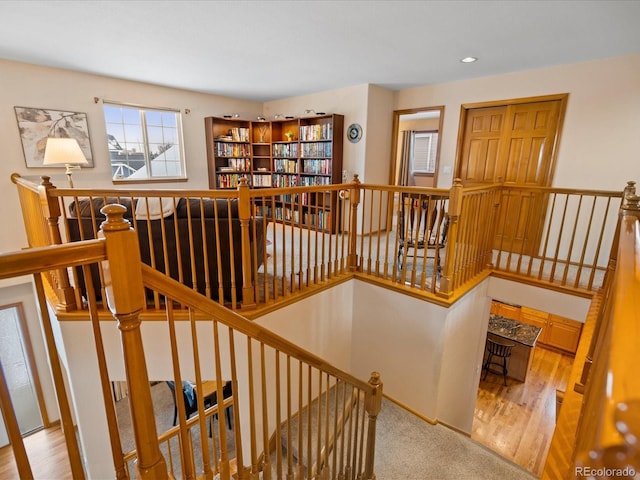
(354, 133)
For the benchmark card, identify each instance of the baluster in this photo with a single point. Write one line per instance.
(125, 297)
(244, 214)
(51, 211)
(354, 198)
(455, 208)
(373, 405)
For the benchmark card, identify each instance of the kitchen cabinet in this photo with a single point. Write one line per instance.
(563, 333)
(558, 332)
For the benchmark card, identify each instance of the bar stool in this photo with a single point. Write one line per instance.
(500, 350)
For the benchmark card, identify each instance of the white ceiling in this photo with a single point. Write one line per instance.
(265, 50)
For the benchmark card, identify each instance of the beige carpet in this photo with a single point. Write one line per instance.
(407, 448)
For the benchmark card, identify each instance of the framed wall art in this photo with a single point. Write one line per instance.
(37, 124)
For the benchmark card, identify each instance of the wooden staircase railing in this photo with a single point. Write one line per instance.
(272, 379)
(609, 428)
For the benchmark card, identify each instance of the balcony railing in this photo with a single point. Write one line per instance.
(249, 249)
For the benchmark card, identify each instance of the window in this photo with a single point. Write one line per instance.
(144, 143)
(424, 152)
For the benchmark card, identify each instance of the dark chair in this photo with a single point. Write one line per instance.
(422, 223)
(189, 396)
(500, 350)
(191, 402)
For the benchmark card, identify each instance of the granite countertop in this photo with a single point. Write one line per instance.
(513, 330)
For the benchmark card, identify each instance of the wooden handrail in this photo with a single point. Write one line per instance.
(42, 259)
(608, 432)
(167, 286)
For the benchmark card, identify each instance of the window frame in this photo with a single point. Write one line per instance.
(433, 153)
(142, 111)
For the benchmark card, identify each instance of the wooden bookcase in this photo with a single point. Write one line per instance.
(228, 151)
(281, 153)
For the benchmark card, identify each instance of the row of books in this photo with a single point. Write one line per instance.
(285, 149)
(231, 180)
(262, 181)
(294, 200)
(321, 131)
(239, 134)
(236, 164)
(316, 149)
(317, 166)
(280, 180)
(310, 181)
(282, 165)
(232, 149)
(312, 219)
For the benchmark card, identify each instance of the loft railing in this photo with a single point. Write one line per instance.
(609, 425)
(281, 394)
(259, 248)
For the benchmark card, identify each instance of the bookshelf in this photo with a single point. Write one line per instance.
(228, 151)
(281, 153)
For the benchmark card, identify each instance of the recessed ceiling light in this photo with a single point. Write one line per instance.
(469, 59)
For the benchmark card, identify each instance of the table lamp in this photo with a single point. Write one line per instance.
(64, 151)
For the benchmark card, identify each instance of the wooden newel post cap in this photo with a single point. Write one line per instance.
(115, 218)
(373, 402)
(632, 202)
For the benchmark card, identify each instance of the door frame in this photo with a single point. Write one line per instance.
(465, 107)
(395, 134)
(30, 359)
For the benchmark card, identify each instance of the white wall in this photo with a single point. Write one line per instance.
(350, 102)
(320, 324)
(402, 338)
(600, 127)
(464, 344)
(575, 308)
(27, 85)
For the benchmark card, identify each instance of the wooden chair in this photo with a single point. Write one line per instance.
(422, 223)
(500, 350)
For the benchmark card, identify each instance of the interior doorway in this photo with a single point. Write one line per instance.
(18, 366)
(416, 139)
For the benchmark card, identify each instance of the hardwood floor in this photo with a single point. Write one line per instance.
(47, 454)
(517, 421)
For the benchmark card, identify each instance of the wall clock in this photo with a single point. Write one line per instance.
(354, 133)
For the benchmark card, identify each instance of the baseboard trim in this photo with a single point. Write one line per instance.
(410, 410)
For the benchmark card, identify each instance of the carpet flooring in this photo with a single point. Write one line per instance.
(407, 448)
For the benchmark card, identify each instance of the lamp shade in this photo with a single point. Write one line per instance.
(63, 151)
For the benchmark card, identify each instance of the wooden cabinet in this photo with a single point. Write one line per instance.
(563, 333)
(536, 318)
(282, 153)
(508, 311)
(557, 332)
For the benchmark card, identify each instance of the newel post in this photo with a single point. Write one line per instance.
(244, 213)
(354, 199)
(125, 297)
(454, 210)
(51, 211)
(372, 405)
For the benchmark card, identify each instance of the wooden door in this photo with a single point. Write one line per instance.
(480, 154)
(514, 144)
